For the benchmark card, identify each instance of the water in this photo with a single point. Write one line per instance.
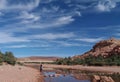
(73, 75)
(61, 78)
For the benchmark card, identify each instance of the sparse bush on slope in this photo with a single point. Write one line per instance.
(91, 61)
(8, 57)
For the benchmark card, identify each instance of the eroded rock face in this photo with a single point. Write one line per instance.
(116, 50)
(104, 48)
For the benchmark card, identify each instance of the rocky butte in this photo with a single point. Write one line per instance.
(104, 48)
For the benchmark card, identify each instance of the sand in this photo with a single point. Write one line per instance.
(17, 73)
(111, 69)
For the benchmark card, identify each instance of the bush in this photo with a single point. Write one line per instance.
(19, 63)
(9, 58)
(1, 58)
(92, 60)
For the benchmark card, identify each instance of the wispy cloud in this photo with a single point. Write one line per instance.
(45, 17)
(20, 5)
(16, 46)
(9, 38)
(56, 22)
(91, 40)
(67, 44)
(1, 14)
(64, 20)
(32, 21)
(98, 5)
(28, 17)
(106, 5)
(3, 4)
(52, 36)
(28, 46)
(117, 34)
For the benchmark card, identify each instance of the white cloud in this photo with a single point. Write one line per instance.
(16, 46)
(99, 5)
(106, 5)
(73, 44)
(55, 22)
(9, 38)
(52, 36)
(1, 14)
(91, 40)
(78, 13)
(31, 21)
(50, 10)
(28, 17)
(67, 44)
(31, 4)
(117, 34)
(28, 46)
(64, 20)
(3, 4)
(38, 19)
(46, 1)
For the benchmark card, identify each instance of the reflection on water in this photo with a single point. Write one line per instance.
(68, 75)
(49, 73)
(61, 78)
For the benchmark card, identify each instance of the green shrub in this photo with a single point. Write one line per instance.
(19, 63)
(9, 58)
(1, 58)
(92, 60)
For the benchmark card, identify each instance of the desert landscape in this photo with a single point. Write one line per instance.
(27, 74)
(27, 69)
(59, 40)
(104, 50)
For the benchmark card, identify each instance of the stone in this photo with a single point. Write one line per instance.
(96, 78)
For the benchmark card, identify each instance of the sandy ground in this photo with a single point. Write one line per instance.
(19, 74)
(111, 69)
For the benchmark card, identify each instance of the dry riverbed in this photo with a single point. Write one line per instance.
(17, 73)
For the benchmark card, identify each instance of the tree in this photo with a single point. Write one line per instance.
(9, 58)
(1, 57)
(77, 61)
(114, 59)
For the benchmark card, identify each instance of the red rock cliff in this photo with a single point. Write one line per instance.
(104, 48)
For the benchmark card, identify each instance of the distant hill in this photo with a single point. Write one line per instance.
(37, 59)
(103, 48)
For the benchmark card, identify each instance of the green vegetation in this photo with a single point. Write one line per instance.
(20, 63)
(8, 58)
(91, 61)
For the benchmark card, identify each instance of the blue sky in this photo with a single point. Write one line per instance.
(56, 27)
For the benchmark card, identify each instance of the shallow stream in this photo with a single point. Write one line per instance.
(67, 75)
(61, 78)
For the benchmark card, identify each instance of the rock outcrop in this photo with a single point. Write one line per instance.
(104, 48)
